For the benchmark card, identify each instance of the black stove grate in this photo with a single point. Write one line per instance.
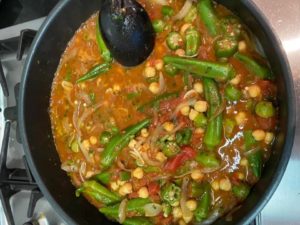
(14, 180)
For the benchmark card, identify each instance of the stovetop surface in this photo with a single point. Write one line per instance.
(283, 208)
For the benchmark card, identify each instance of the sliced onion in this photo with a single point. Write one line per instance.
(183, 104)
(252, 151)
(161, 2)
(137, 156)
(162, 177)
(122, 166)
(122, 210)
(183, 175)
(184, 10)
(149, 161)
(210, 170)
(162, 83)
(155, 135)
(152, 209)
(190, 93)
(187, 214)
(177, 128)
(65, 124)
(75, 120)
(82, 171)
(69, 167)
(85, 97)
(85, 152)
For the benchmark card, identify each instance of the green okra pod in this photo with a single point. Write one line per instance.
(103, 177)
(207, 160)
(208, 16)
(249, 141)
(184, 136)
(170, 149)
(98, 192)
(230, 26)
(256, 162)
(213, 134)
(203, 207)
(158, 26)
(254, 67)
(119, 141)
(94, 72)
(105, 53)
(241, 191)
(135, 205)
(157, 100)
(226, 47)
(137, 221)
(232, 93)
(171, 194)
(265, 109)
(174, 40)
(192, 42)
(214, 70)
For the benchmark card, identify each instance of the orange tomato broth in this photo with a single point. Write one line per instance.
(112, 99)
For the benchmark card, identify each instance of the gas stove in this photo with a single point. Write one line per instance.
(21, 200)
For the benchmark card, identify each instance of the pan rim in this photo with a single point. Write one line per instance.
(291, 109)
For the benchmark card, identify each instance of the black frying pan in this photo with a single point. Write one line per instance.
(35, 125)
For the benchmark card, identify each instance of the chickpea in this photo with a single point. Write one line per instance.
(132, 144)
(93, 140)
(269, 138)
(198, 87)
(259, 135)
(244, 162)
(185, 110)
(154, 87)
(215, 185)
(160, 157)
(168, 126)
(197, 174)
(144, 133)
(240, 118)
(180, 52)
(225, 184)
(236, 80)
(199, 131)
(143, 192)
(86, 144)
(114, 186)
(177, 213)
(254, 91)
(191, 205)
(242, 46)
(138, 173)
(149, 71)
(193, 114)
(159, 64)
(125, 189)
(201, 106)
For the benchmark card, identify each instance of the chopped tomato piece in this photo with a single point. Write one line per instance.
(153, 188)
(268, 88)
(266, 123)
(187, 153)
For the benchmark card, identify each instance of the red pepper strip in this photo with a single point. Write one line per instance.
(187, 153)
(153, 188)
